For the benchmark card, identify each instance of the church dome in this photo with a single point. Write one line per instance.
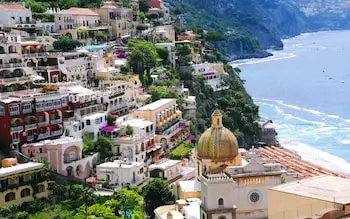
(217, 143)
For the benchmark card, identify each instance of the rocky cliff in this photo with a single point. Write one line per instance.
(251, 26)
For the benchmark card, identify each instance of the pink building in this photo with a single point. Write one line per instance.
(64, 156)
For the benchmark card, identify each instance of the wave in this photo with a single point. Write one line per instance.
(318, 156)
(345, 141)
(275, 57)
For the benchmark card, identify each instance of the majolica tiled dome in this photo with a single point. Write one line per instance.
(217, 143)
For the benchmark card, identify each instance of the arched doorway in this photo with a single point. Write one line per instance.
(69, 170)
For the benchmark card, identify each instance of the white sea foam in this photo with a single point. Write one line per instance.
(345, 141)
(333, 116)
(318, 157)
(275, 57)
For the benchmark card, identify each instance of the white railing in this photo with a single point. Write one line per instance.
(56, 121)
(44, 135)
(17, 129)
(45, 123)
(30, 137)
(30, 126)
(56, 133)
(12, 65)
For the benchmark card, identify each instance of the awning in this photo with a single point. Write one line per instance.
(156, 147)
(190, 138)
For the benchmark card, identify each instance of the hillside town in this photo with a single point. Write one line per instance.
(101, 102)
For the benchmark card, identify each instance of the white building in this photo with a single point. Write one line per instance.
(171, 49)
(80, 24)
(140, 146)
(122, 173)
(168, 170)
(13, 13)
(212, 72)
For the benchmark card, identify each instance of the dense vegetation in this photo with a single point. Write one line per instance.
(248, 26)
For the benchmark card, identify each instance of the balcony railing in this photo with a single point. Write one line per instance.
(13, 113)
(30, 137)
(42, 124)
(15, 140)
(167, 125)
(26, 110)
(12, 65)
(57, 133)
(56, 121)
(17, 129)
(30, 126)
(44, 135)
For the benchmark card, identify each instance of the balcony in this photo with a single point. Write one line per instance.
(43, 135)
(30, 126)
(57, 133)
(17, 129)
(68, 159)
(167, 125)
(26, 110)
(12, 65)
(15, 140)
(30, 137)
(42, 124)
(14, 113)
(116, 95)
(56, 121)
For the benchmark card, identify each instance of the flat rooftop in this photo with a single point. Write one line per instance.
(327, 188)
(94, 116)
(20, 168)
(163, 164)
(62, 140)
(190, 186)
(140, 123)
(120, 163)
(78, 89)
(156, 105)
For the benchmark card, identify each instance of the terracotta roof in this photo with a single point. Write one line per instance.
(81, 11)
(293, 164)
(12, 6)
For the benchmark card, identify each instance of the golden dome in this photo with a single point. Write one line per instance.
(217, 142)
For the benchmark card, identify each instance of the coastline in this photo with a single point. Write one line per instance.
(306, 151)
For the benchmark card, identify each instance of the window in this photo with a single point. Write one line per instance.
(203, 216)
(25, 192)
(53, 117)
(218, 121)
(27, 178)
(41, 119)
(221, 202)
(97, 121)
(72, 156)
(222, 217)
(26, 107)
(254, 197)
(41, 188)
(141, 170)
(13, 181)
(108, 177)
(14, 108)
(10, 197)
(2, 109)
(59, 18)
(88, 122)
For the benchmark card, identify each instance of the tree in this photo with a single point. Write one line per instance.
(142, 16)
(144, 5)
(101, 37)
(81, 195)
(143, 55)
(128, 201)
(213, 36)
(66, 44)
(103, 145)
(156, 193)
(141, 27)
(177, 11)
(111, 118)
(163, 53)
(22, 215)
(129, 130)
(95, 211)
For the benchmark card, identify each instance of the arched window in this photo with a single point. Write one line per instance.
(25, 192)
(221, 202)
(203, 216)
(41, 188)
(10, 197)
(222, 217)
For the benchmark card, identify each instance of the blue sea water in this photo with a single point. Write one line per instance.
(305, 90)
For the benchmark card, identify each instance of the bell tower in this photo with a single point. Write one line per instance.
(217, 192)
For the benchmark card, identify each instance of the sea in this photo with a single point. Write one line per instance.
(305, 90)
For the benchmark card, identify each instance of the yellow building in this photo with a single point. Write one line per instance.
(168, 119)
(187, 189)
(308, 197)
(21, 183)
